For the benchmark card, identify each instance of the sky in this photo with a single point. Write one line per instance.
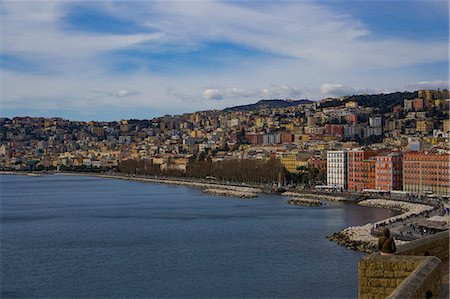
(112, 60)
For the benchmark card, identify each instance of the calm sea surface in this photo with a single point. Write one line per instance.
(70, 236)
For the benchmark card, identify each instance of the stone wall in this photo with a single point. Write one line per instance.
(424, 281)
(408, 274)
(435, 245)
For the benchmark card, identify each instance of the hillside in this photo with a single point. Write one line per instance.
(384, 102)
(266, 104)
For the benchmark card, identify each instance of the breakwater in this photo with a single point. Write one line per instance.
(230, 193)
(314, 196)
(360, 237)
(210, 188)
(299, 201)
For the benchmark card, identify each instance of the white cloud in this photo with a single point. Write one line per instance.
(119, 93)
(337, 90)
(429, 85)
(283, 91)
(302, 30)
(304, 42)
(212, 94)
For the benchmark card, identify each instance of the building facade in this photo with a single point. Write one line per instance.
(426, 173)
(388, 172)
(361, 170)
(337, 169)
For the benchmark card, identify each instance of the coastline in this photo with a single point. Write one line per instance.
(357, 238)
(360, 237)
(194, 184)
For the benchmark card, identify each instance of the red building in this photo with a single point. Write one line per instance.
(418, 104)
(361, 170)
(334, 129)
(388, 172)
(425, 172)
(286, 137)
(254, 138)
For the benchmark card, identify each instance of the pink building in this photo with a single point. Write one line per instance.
(388, 172)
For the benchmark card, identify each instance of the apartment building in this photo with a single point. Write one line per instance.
(388, 172)
(425, 172)
(337, 169)
(361, 170)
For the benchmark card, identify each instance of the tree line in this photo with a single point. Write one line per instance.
(242, 170)
(238, 171)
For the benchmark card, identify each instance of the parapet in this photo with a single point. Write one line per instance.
(414, 272)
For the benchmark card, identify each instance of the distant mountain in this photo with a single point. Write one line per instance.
(267, 104)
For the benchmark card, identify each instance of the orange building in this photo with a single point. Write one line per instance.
(425, 173)
(368, 174)
(388, 172)
(361, 170)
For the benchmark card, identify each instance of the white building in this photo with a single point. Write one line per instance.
(337, 169)
(375, 121)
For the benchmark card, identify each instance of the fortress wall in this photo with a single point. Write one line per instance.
(408, 274)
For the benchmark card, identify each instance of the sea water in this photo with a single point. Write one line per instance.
(75, 236)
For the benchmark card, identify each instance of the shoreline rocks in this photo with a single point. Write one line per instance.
(360, 238)
(315, 196)
(230, 193)
(299, 201)
(174, 182)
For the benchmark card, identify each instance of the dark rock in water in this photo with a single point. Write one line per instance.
(278, 190)
(304, 202)
(343, 240)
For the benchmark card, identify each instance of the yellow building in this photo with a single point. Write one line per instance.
(424, 126)
(446, 126)
(323, 146)
(351, 104)
(158, 161)
(329, 137)
(302, 138)
(292, 163)
(436, 140)
(289, 127)
(259, 121)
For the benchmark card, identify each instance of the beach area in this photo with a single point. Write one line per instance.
(360, 238)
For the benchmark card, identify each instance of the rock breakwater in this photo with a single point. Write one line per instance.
(230, 193)
(360, 237)
(210, 188)
(315, 196)
(298, 201)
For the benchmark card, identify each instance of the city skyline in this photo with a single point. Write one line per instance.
(117, 60)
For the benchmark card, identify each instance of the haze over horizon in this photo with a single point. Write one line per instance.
(111, 60)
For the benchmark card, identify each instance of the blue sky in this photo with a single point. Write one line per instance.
(110, 60)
